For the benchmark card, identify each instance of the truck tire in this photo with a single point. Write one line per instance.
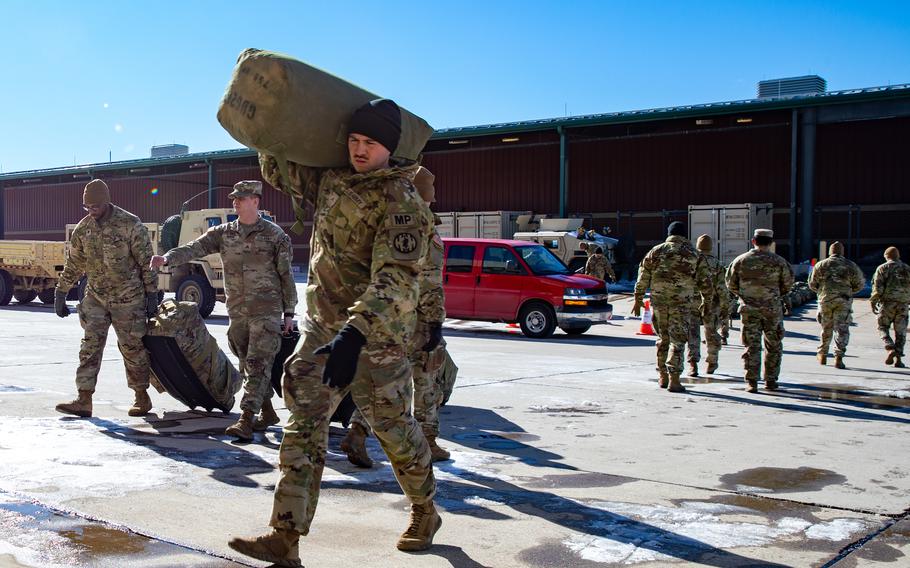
(6, 288)
(25, 296)
(195, 288)
(537, 320)
(47, 296)
(576, 330)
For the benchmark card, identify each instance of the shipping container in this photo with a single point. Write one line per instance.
(487, 224)
(730, 226)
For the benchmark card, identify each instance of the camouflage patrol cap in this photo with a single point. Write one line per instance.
(246, 188)
(763, 233)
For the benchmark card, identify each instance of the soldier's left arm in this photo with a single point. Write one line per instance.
(703, 279)
(283, 258)
(401, 241)
(141, 250)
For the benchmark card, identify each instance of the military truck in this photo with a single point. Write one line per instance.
(562, 238)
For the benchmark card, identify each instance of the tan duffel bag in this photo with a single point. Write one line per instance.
(285, 108)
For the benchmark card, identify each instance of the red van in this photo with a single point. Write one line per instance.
(520, 281)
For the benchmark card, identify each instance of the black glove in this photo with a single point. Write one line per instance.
(151, 304)
(435, 337)
(60, 307)
(343, 352)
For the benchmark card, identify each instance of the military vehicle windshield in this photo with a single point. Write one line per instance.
(541, 261)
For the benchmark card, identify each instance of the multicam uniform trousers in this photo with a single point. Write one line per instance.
(893, 314)
(671, 323)
(711, 321)
(255, 341)
(762, 325)
(129, 320)
(380, 390)
(835, 316)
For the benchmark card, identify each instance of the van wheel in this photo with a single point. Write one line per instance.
(47, 295)
(537, 320)
(195, 288)
(25, 296)
(576, 330)
(6, 288)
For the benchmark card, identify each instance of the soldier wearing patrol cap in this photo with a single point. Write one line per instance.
(760, 278)
(260, 296)
(890, 298)
(112, 248)
(370, 231)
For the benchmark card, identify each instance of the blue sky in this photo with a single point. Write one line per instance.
(81, 80)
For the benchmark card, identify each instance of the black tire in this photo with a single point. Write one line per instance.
(195, 288)
(25, 296)
(47, 296)
(537, 320)
(576, 330)
(6, 288)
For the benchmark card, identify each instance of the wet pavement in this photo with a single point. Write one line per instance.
(565, 453)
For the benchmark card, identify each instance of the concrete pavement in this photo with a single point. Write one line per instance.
(565, 453)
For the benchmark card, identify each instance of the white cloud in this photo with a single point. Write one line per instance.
(118, 128)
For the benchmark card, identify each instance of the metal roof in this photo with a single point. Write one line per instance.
(706, 109)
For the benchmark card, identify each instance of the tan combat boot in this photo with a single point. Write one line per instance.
(281, 547)
(81, 407)
(141, 405)
(675, 385)
(354, 445)
(839, 362)
(664, 380)
(267, 417)
(771, 385)
(712, 366)
(243, 428)
(889, 360)
(425, 521)
(751, 387)
(822, 358)
(897, 362)
(438, 453)
(693, 369)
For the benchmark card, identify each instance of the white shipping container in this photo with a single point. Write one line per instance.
(486, 224)
(447, 228)
(730, 226)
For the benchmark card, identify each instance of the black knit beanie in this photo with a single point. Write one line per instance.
(676, 228)
(380, 120)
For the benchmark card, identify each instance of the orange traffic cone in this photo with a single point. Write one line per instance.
(647, 317)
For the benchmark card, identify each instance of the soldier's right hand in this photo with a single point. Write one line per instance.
(636, 308)
(876, 307)
(343, 352)
(60, 307)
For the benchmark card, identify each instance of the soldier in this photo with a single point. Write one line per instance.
(370, 230)
(760, 278)
(674, 274)
(260, 290)
(889, 300)
(835, 279)
(598, 266)
(111, 247)
(709, 314)
(427, 348)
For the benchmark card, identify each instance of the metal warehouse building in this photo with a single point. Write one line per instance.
(834, 164)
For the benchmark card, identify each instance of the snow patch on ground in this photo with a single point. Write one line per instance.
(696, 525)
(79, 459)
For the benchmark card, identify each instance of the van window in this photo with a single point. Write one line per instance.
(500, 260)
(460, 258)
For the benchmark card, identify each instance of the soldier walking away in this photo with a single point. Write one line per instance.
(674, 275)
(889, 300)
(710, 314)
(835, 279)
(370, 230)
(427, 347)
(260, 297)
(598, 266)
(111, 247)
(760, 279)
